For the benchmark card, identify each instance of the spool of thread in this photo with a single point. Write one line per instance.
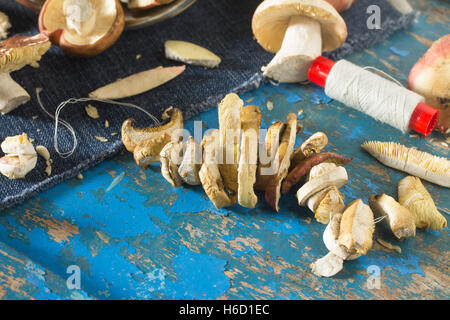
(374, 95)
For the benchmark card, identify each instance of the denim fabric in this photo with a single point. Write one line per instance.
(223, 26)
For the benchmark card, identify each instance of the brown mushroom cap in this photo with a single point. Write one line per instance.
(271, 20)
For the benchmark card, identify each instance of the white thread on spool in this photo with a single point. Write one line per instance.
(61, 106)
(376, 96)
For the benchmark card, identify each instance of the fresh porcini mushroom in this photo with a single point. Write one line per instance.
(82, 28)
(410, 160)
(399, 219)
(20, 157)
(4, 25)
(304, 167)
(266, 165)
(357, 227)
(190, 165)
(297, 31)
(413, 196)
(137, 83)
(430, 77)
(191, 54)
(282, 159)
(209, 171)
(139, 5)
(15, 53)
(230, 130)
(132, 136)
(313, 144)
(170, 158)
(336, 177)
(147, 151)
(248, 158)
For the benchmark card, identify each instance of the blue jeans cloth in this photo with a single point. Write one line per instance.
(223, 26)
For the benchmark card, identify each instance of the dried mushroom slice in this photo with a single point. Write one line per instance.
(314, 144)
(4, 25)
(132, 136)
(170, 157)
(399, 219)
(190, 165)
(266, 165)
(413, 195)
(282, 159)
(20, 157)
(209, 172)
(250, 123)
(147, 151)
(190, 53)
(331, 204)
(230, 128)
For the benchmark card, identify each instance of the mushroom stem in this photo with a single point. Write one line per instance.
(302, 43)
(12, 94)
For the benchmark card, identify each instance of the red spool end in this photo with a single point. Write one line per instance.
(319, 70)
(423, 119)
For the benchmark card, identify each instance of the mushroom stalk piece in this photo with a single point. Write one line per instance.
(302, 43)
(12, 94)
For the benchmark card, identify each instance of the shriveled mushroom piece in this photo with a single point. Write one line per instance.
(336, 177)
(399, 219)
(132, 136)
(266, 165)
(430, 77)
(297, 31)
(330, 204)
(147, 151)
(313, 144)
(20, 157)
(15, 53)
(4, 25)
(230, 129)
(248, 158)
(328, 265)
(190, 165)
(413, 195)
(331, 236)
(357, 227)
(190, 53)
(209, 172)
(282, 161)
(82, 28)
(170, 157)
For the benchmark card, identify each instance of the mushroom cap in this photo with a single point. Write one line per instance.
(271, 20)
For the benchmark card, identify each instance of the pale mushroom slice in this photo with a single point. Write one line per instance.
(248, 159)
(4, 25)
(20, 157)
(191, 54)
(229, 112)
(15, 53)
(331, 236)
(413, 196)
(137, 83)
(336, 177)
(132, 136)
(209, 172)
(266, 165)
(148, 151)
(170, 158)
(331, 204)
(327, 266)
(190, 165)
(410, 160)
(320, 169)
(357, 227)
(297, 31)
(282, 161)
(399, 219)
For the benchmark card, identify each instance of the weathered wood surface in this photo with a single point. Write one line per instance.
(144, 239)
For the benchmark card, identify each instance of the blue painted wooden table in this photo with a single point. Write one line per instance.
(143, 239)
